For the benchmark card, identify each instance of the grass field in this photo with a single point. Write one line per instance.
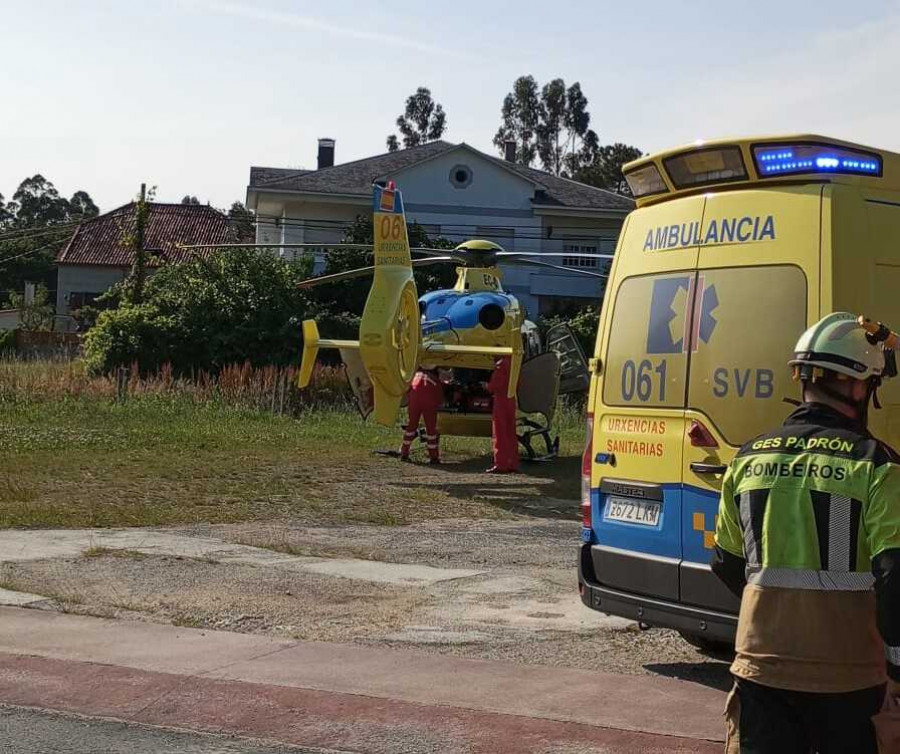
(85, 460)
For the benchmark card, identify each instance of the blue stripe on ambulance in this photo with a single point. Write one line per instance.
(678, 534)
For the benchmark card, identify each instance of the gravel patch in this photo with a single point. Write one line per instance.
(525, 607)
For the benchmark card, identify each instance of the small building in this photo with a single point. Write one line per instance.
(96, 257)
(457, 192)
(9, 319)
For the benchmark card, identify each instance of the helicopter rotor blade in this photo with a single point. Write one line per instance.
(363, 272)
(537, 263)
(322, 246)
(540, 254)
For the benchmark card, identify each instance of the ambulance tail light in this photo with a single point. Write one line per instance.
(587, 463)
(700, 436)
(775, 160)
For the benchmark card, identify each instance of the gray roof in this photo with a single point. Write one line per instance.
(357, 177)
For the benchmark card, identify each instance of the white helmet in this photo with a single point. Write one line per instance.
(839, 344)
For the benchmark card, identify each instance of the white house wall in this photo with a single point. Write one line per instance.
(493, 197)
(76, 278)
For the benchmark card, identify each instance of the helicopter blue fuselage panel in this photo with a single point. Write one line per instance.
(456, 310)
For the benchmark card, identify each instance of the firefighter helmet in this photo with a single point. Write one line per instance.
(837, 343)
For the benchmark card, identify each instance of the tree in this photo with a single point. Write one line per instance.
(234, 306)
(82, 207)
(422, 121)
(38, 203)
(565, 142)
(605, 170)
(552, 122)
(37, 315)
(521, 116)
(29, 236)
(188, 199)
(241, 224)
(6, 215)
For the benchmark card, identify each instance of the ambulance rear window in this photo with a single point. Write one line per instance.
(716, 341)
(646, 361)
(746, 322)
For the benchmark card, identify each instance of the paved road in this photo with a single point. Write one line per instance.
(28, 731)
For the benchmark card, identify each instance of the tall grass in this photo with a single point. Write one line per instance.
(237, 385)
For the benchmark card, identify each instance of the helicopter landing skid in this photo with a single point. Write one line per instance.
(531, 430)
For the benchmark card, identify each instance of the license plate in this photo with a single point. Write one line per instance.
(645, 512)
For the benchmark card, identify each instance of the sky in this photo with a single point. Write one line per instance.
(186, 95)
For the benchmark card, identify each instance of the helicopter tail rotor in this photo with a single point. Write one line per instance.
(390, 332)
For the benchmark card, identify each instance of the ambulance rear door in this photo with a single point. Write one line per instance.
(757, 287)
(639, 402)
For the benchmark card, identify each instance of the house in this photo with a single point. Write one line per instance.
(458, 192)
(96, 257)
(9, 319)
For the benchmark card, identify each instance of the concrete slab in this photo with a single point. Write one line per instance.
(566, 614)
(403, 574)
(417, 635)
(19, 546)
(19, 599)
(633, 703)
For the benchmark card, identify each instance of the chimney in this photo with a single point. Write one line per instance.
(326, 153)
(510, 147)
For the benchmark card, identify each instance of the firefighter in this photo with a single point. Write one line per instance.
(808, 536)
(503, 421)
(426, 394)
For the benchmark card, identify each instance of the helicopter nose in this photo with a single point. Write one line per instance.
(491, 316)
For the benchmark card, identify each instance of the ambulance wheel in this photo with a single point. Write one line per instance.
(709, 646)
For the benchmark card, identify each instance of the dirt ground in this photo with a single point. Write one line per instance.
(523, 607)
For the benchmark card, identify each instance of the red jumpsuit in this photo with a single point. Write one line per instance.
(503, 420)
(426, 394)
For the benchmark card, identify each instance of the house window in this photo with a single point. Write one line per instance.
(579, 262)
(460, 176)
(600, 246)
(80, 299)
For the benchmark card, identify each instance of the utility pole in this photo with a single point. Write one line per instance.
(139, 271)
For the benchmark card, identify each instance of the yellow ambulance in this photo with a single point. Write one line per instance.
(734, 248)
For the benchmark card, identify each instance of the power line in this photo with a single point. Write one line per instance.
(279, 221)
(27, 253)
(36, 233)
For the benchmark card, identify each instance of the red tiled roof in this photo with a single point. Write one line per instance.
(100, 240)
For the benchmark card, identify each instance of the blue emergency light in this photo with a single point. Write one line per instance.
(777, 160)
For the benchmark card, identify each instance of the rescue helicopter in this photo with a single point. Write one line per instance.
(461, 332)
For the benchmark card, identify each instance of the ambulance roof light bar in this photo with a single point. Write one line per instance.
(776, 160)
(645, 181)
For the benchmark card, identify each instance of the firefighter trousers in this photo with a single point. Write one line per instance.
(764, 720)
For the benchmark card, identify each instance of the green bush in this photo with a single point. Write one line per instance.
(7, 341)
(236, 306)
(583, 324)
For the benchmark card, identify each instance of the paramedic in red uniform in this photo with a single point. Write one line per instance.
(426, 394)
(503, 421)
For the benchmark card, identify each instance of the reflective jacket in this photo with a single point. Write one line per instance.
(808, 534)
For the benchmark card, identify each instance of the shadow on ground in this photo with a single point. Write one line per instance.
(543, 490)
(712, 674)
